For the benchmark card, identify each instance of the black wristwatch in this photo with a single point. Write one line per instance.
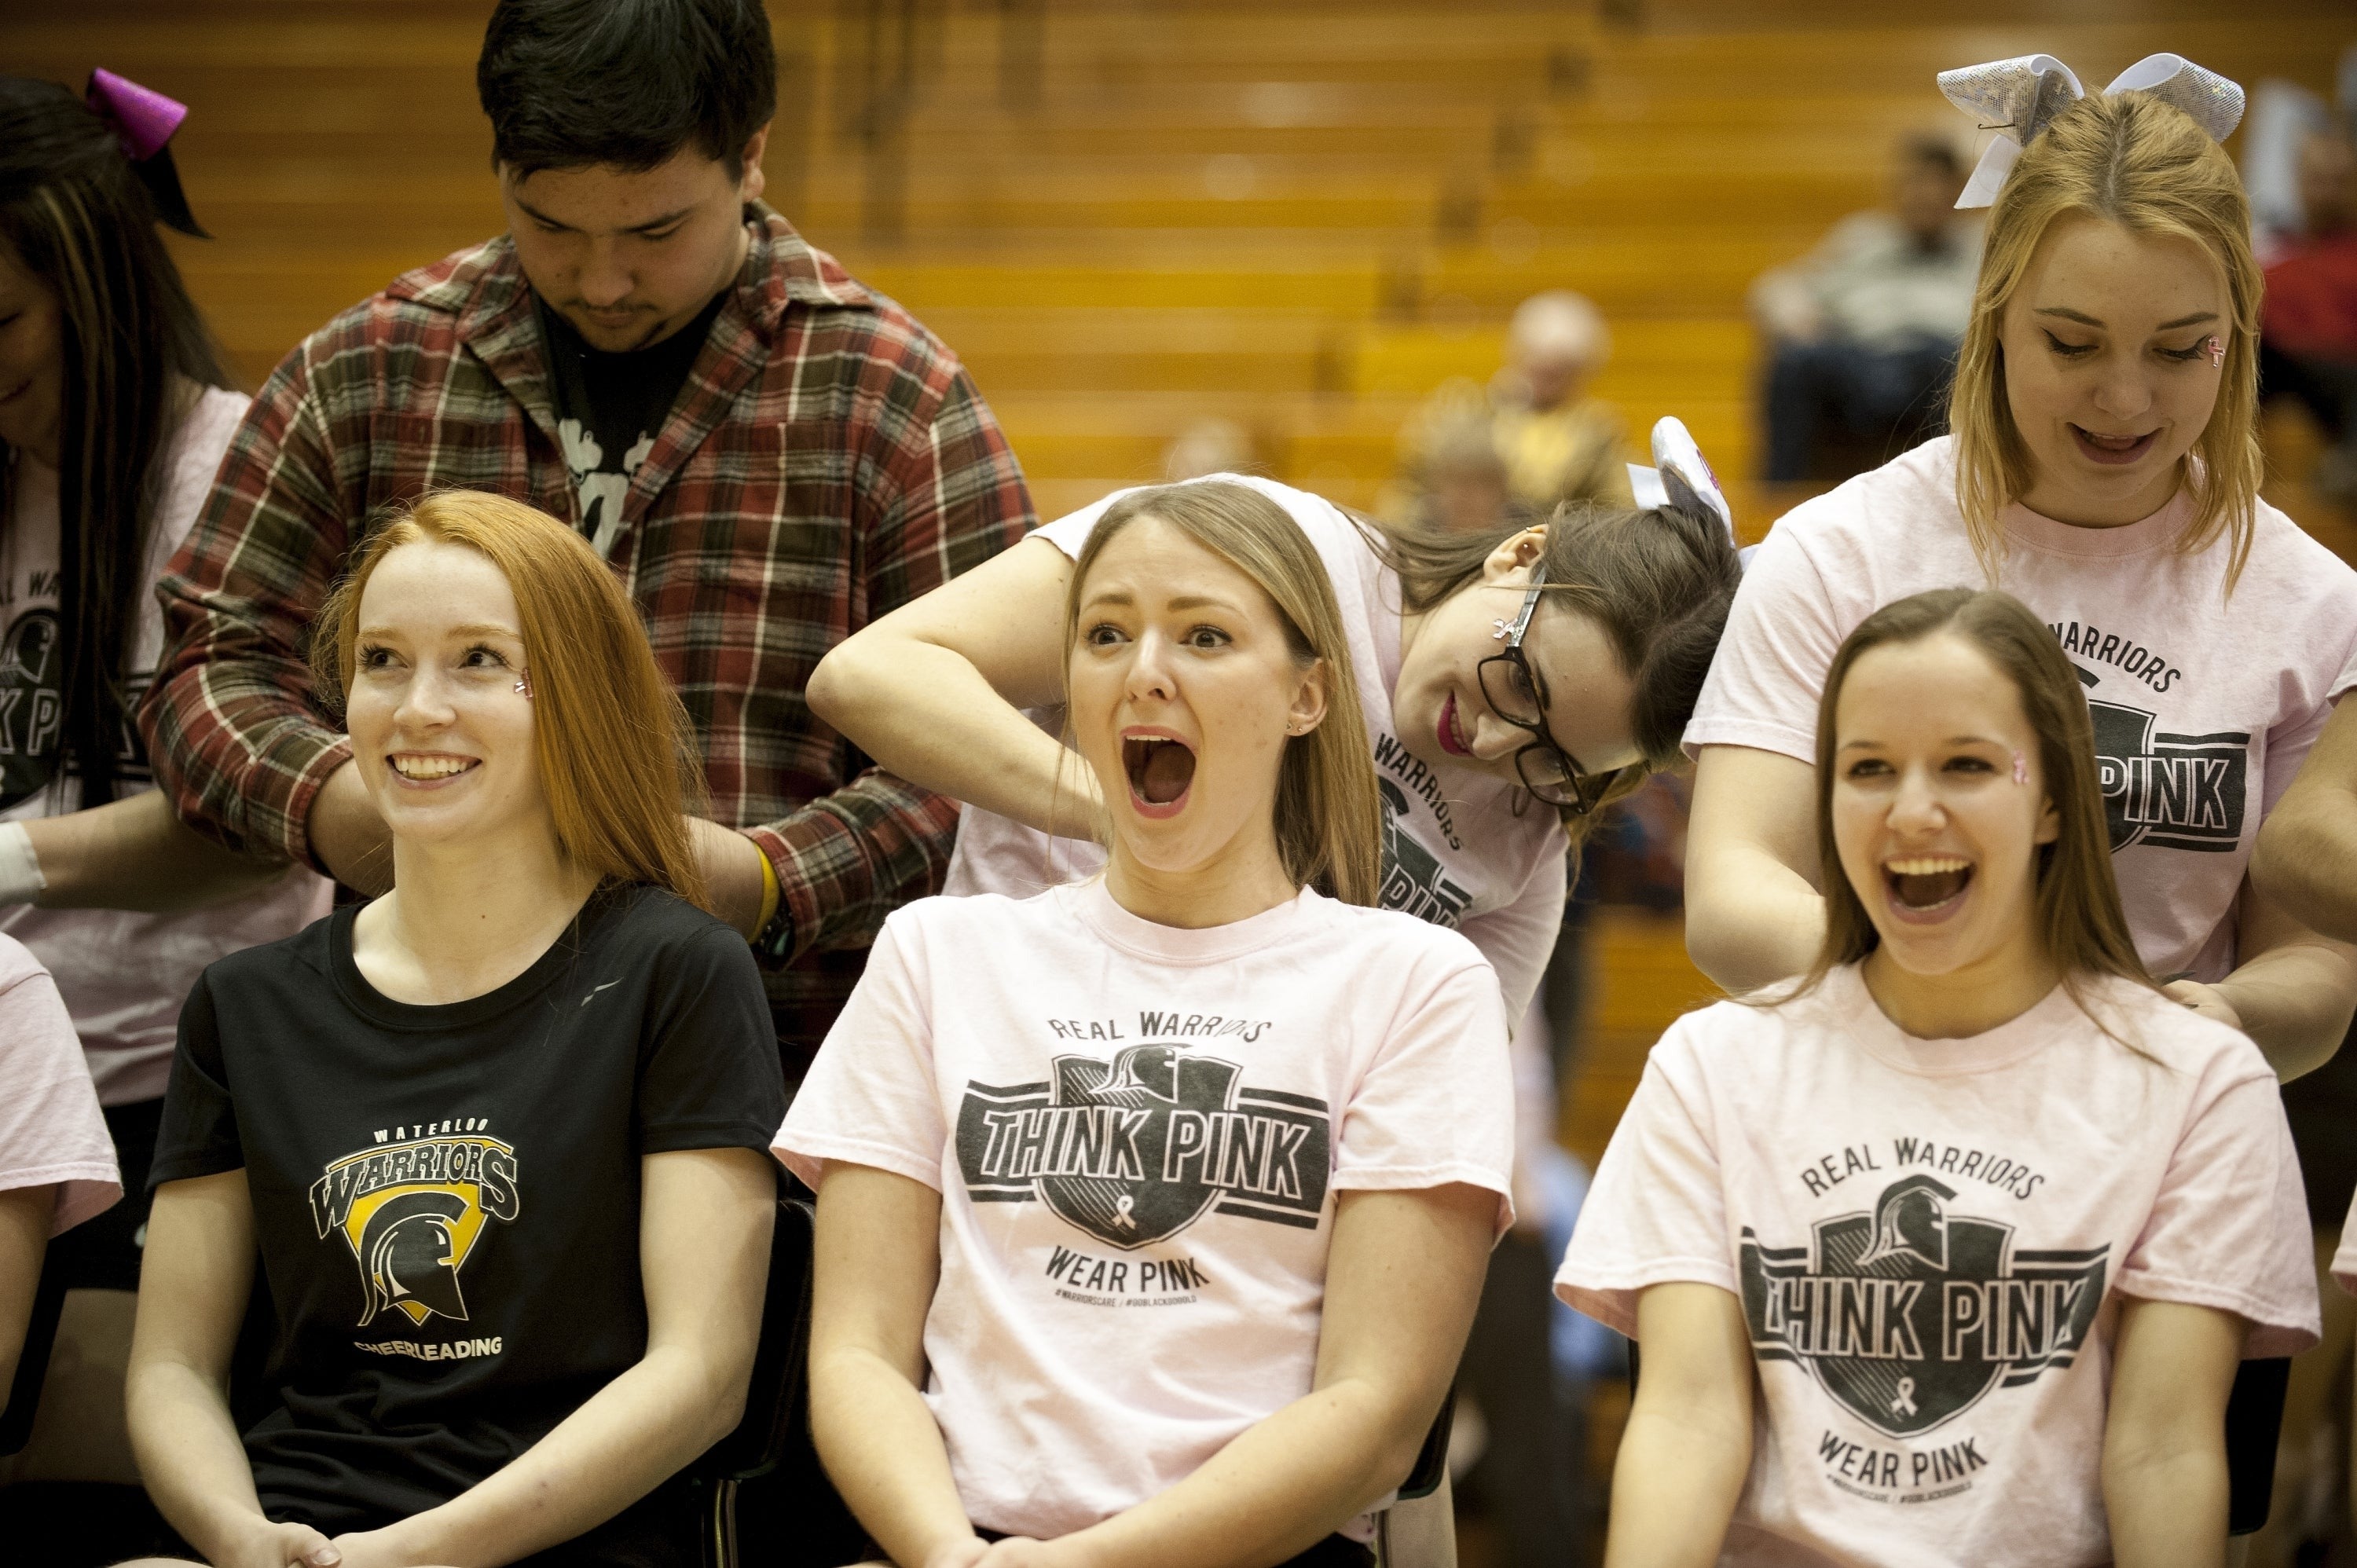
(775, 941)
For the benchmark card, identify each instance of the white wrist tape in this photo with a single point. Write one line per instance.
(20, 869)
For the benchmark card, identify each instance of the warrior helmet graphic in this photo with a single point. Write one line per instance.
(1912, 1219)
(412, 1256)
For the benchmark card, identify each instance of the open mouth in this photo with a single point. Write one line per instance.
(1161, 770)
(420, 769)
(1927, 887)
(1452, 738)
(2113, 449)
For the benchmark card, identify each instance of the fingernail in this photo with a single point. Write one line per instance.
(326, 1556)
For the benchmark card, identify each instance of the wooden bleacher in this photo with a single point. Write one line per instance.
(1130, 215)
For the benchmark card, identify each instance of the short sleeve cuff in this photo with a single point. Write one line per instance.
(2275, 1329)
(1610, 1297)
(1419, 1178)
(1757, 733)
(86, 1188)
(807, 1155)
(676, 1137)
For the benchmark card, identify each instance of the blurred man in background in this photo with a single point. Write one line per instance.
(2308, 341)
(1862, 330)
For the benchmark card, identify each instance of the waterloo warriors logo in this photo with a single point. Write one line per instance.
(1134, 1150)
(411, 1212)
(1908, 1315)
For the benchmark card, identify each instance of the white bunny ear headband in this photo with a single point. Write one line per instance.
(1681, 478)
(2018, 98)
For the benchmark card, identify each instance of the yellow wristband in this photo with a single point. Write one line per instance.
(770, 894)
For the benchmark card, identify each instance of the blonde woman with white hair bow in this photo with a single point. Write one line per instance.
(2105, 469)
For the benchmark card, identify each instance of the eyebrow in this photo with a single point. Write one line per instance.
(1951, 740)
(2196, 319)
(666, 220)
(1183, 602)
(473, 629)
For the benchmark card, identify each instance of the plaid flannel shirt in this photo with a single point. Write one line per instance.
(827, 460)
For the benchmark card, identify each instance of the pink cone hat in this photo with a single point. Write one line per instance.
(144, 118)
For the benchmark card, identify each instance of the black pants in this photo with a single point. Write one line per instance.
(1876, 402)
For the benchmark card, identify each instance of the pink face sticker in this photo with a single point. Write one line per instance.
(524, 687)
(2020, 769)
(2217, 347)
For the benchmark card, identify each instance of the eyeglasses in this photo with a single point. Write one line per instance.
(1548, 771)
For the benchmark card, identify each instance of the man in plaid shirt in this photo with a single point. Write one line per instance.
(770, 456)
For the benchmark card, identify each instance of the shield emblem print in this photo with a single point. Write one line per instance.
(1157, 1085)
(1911, 1241)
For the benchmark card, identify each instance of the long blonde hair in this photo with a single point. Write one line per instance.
(2144, 165)
(1329, 813)
(615, 764)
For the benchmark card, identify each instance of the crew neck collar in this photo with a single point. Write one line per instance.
(2155, 532)
(1095, 906)
(2014, 1040)
(543, 971)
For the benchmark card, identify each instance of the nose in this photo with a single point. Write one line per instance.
(1152, 674)
(605, 281)
(2124, 390)
(1916, 809)
(425, 702)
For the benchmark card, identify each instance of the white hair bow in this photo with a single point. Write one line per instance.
(1680, 477)
(2018, 98)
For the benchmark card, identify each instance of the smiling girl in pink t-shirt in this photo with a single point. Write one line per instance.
(1947, 1252)
(2104, 468)
(1154, 1208)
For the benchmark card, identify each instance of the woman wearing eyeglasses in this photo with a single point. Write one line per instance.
(1512, 682)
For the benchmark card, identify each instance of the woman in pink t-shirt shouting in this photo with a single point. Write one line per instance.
(2104, 468)
(1155, 1207)
(1946, 1253)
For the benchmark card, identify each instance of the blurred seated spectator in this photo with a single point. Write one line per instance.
(1864, 329)
(1209, 447)
(1551, 440)
(1465, 486)
(2307, 341)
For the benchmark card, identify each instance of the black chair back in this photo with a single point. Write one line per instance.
(776, 1401)
(33, 1361)
(1432, 1459)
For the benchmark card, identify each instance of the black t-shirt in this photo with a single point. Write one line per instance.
(610, 407)
(447, 1197)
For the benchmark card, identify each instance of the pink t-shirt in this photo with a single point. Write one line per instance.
(52, 1133)
(122, 975)
(1455, 851)
(1139, 1133)
(2204, 706)
(1930, 1239)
